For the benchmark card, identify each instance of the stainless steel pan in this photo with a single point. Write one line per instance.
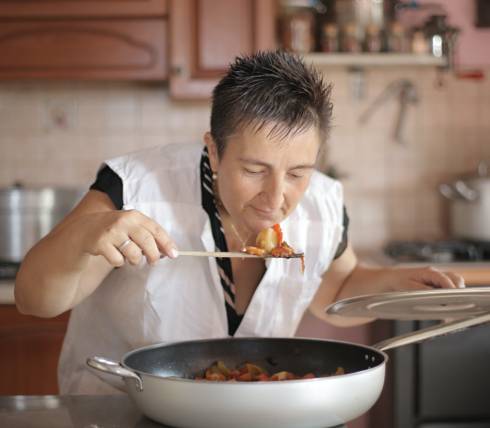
(159, 378)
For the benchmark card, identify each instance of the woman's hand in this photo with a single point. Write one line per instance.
(125, 235)
(409, 279)
(371, 280)
(347, 278)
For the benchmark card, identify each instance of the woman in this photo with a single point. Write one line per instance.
(270, 117)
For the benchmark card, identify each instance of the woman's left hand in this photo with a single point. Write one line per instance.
(368, 280)
(426, 278)
(347, 278)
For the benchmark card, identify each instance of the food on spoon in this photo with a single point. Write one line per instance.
(253, 373)
(269, 241)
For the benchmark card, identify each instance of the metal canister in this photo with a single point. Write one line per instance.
(28, 214)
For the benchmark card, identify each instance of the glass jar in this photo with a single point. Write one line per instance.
(397, 39)
(350, 41)
(297, 29)
(440, 36)
(373, 41)
(330, 38)
(419, 43)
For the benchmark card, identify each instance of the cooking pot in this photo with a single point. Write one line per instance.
(469, 198)
(159, 378)
(28, 214)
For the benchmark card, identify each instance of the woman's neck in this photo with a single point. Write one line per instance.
(236, 237)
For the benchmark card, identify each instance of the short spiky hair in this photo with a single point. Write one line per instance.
(270, 88)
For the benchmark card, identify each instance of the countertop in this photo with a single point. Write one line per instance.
(73, 411)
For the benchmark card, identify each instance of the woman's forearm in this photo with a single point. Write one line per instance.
(59, 270)
(362, 280)
(50, 275)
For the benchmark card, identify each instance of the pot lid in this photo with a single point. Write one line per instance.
(434, 304)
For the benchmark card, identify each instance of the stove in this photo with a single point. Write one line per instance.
(444, 251)
(8, 270)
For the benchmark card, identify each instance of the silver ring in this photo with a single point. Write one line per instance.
(124, 244)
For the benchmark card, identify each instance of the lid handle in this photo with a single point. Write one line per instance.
(440, 329)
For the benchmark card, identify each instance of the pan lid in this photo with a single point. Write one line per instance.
(434, 304)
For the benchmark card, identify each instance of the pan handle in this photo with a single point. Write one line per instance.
(431, 332)
(113, 368)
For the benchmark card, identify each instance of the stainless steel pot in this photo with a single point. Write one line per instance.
(469, 200)
(28, 214)
(159, 378)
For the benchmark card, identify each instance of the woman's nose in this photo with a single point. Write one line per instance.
(274, 193)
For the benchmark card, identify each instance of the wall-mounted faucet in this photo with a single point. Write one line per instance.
(406, 92)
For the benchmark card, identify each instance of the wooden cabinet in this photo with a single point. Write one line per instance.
(206, 35)
(84, 40)
(29, 352)
(39, 9)
(127, 39)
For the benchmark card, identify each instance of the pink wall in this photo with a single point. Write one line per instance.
(473, 49)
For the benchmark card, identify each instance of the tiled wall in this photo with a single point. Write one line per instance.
(59, 133)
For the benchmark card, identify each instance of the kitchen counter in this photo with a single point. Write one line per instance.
(77, 411)
(73, 411)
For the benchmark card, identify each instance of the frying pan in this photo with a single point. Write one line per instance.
(159, 378)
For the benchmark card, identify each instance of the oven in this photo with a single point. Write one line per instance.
(443, 383)
(427, 393)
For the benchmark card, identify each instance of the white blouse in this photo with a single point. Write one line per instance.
(182, 299)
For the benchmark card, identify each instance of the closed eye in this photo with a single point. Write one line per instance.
(253, 171)
(299, 173)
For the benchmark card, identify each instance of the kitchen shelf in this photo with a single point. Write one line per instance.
(379, 59)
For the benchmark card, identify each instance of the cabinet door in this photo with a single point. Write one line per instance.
(206, 35)
(29, 352)
(84, 49)
(33, 9)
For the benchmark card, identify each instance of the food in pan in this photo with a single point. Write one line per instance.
(252, 373)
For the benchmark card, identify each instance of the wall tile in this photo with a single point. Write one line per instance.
(58, 133)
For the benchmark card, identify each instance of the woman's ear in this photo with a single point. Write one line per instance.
(212, 151)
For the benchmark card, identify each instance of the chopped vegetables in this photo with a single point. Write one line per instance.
(267, 240)
(278, 231)
(252, 373)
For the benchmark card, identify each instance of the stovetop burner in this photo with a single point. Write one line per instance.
(445, 251)
(8, 270)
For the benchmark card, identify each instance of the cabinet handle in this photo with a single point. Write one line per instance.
(177, 70)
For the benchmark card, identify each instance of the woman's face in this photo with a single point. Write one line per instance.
(261, 178)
